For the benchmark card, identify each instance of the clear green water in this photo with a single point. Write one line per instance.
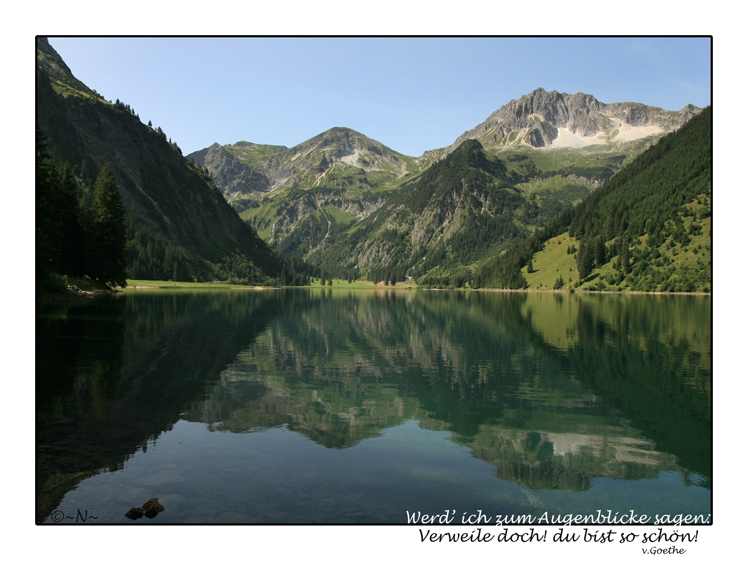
(322, 406)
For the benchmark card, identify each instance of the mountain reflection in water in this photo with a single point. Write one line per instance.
(519, 401)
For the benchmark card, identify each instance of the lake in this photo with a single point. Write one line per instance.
(334, 406)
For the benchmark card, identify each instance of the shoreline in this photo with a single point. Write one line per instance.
(639, 292)
(78, 295)
(74, 296)
(411, 287)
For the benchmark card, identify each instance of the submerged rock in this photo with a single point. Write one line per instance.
(153, 507)
(149, 509)
(134, 513)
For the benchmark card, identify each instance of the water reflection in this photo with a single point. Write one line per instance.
(553, 391)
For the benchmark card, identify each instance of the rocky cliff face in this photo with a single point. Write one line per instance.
(544, 119)
(229, 168)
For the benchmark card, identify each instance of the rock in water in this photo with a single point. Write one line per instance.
(149, 509)
(153, 507)
(134, 513)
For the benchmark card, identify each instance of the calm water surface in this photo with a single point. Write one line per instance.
(335, 406)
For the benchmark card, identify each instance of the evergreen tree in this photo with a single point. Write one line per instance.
(106, 238)
(70, 231)
(599, 251)
(625, 258)
(585, 259)
(46, 184)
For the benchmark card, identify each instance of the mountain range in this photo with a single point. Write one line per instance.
(343, 202)
(352, 205)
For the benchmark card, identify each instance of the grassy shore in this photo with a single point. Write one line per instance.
(133, 284)
(361, 284)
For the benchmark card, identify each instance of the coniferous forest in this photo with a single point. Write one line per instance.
(72, 237)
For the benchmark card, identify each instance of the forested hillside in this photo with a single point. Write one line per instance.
(461, 210)
(177, 224)
(74, 238)
(647, 229)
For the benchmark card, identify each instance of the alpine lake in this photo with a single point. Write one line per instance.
(337, 406)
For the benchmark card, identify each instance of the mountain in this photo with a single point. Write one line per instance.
(647, 229)
(330, 198)
(544, 119)
(459, 210)
(168, 199)
(336, 155)
(296, 197)
(235, 167)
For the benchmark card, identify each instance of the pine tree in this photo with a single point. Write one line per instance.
(585, 259)
(69, 229)
(599, 251)
(107, 236)
(46, 184)
(625, 259)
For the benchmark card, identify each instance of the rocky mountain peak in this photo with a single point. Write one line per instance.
(340, 143)
(543, 119)
(243, 168)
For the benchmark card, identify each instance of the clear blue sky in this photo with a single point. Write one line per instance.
(412, 94)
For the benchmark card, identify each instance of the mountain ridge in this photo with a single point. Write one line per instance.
(543, 119)
(279, 165)
(556, 149)
(160, 189)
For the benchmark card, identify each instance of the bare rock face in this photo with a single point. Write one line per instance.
(541, 118)
(230, 174)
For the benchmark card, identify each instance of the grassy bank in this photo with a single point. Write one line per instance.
(361, 284)
(132, 283)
